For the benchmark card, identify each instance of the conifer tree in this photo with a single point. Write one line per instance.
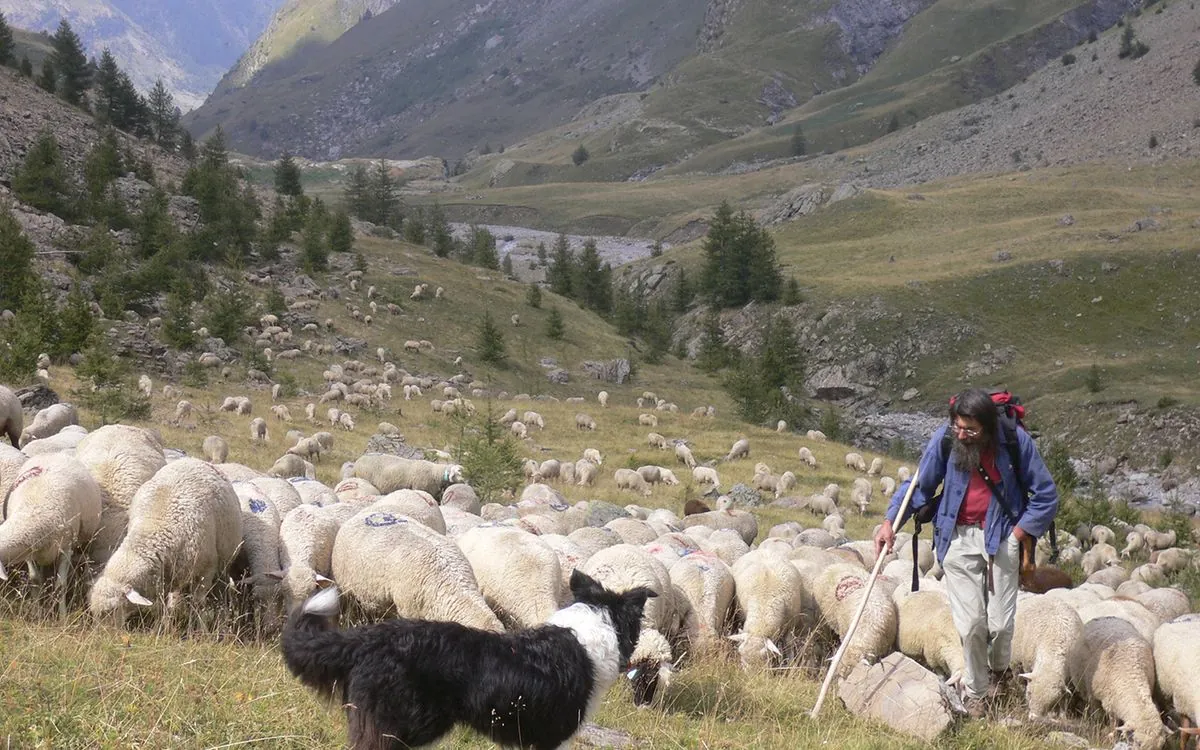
(592, 282)
(437, 230)
(48, 80)
(561, 273)
(414, 227)
(354, 195)
(164, 115)
(341, 233)
(155, 230)
(482, 249)
(106, 98)
(7, 45)
(42, 180)
(681, 293)
(760, 385)
(739, 261)
(490, 341)
(712, 354)
(506, 265)
(791, 292)
(70, 63)
(314, 252)
(533, 296)
(555, 329)
(78, 322)
(187, 146)
(16, 258)
(541, 254)
(287, 176)
(383, 205)
(26, 67)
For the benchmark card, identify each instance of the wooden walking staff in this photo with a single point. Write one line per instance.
(837, 657)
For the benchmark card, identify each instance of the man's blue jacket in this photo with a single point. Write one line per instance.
(1033, 515)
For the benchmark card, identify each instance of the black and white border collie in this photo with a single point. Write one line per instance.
(405, 683)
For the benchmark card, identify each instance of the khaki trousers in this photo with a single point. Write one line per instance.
(984, 619)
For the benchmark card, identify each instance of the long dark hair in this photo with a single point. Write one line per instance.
(975, 403)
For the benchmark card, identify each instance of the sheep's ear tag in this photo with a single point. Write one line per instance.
(321, 579)
(773, 648)
(632, 674)
(1028, 676)
(138, 599)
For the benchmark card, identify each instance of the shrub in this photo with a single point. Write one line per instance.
(580, 155)
(533, 296)
(1094, 380)
(1196, 73)
(107, 388)
(1058, 463)
(1166, 402)
(489, 455)
(1068, 59)
(1153, 141)
(554, 325)
(490, 341)
(1131, 47)
(1165, 458)
(228, 313)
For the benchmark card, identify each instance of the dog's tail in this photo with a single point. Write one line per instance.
(314, 650)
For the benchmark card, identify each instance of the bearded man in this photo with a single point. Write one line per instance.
(987, 509)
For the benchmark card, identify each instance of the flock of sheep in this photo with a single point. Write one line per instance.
(154, 529)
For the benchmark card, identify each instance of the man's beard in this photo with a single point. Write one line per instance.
(967, 455)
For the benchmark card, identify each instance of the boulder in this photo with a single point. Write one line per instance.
(902, 694)
(610, 371)
(393, 445)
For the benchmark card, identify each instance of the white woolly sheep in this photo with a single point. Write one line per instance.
(462, 497)
(726, 517)
(48, 422)
(740, 449)
(628, 479)
(667, 477)
(1176, 664)
(12, 419)
(815, 435)
(593, 455)
(121, 459)
(770, 595)
(415, 505)
(649, 420)
(838, 591)
(856, 461)
(785, 484)
(215, 449)
(391, 473)
(903, 474)
(706, 475)
(260, 540)
(602, 397)
(258, 429)
(51, 511)
(707, 584)
(1115, 668)
(289, 465)
(1165, 603)
(518, 430)
(585, 472)
(584, 422)
(684, 455)
(624, 566)
(876, 467)
(385, 560)
(654, 440)
(1046, 637)
(498, 556)
(356, 491)
(807, 457)
(533, 419)
(1160, 539)
(346, 421)
(1099, 556)
(185, 526)
(926, 631)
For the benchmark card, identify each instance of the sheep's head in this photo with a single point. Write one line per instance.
(453, 474)
(110, 598)
(756, 651)
(1042, 691)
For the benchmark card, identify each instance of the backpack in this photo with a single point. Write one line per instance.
(1010, 414)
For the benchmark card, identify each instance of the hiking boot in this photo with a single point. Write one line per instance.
(975, 707)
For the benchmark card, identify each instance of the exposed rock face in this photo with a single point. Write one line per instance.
(36, 397)
(393, 445)
(611, 371)
(868, 25)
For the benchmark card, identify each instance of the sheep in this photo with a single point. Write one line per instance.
(121, 459)
(815, 435)
(654, 440)
(1099, 556)
(497, 554)
(533, 419)
(726, 517)
(385, 560)
(65, 439)
(518, 430)
(585, 472)
(667, 477)
(624, 566)
(289, 465)
(887, 486)
(740, 449)
(185, 526)
(258, 429)
(346, 421)
(706, 475)
(785, 483)
(215, 449)
(649, 420)
(1047, 636)
(602, 397)
(628, 479)
(684, 455)
(769, 593)
(1115, 668)
(439, 293)
(856, 462)
(47, 423)
(260, 540)
(391, 473)
(838, 590)
(1164, 603)
(412, 346)
(51, 511)
(1176, 664)
(807, 457)
(926, 631)
(584, 422)
(1158, 540)
(903, 474)
(516, 320)
(12, 419)
(145, 386)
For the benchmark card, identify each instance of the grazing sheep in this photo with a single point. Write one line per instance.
(876, 467)
(585, 472)
(121, 459)
(288, 465)
(856, 462)
(770, 595)
(667, 477)
(654, 440)
(533, 419)
(48, 422)
(385, 560)
(1047, 635)
(391, 473)
(1176, 664)
(51, 511)
(584, 422)
(624, 566)
(1115, 668)
(706, 475)
(593, 455)
(816, 435)
(649, 420)
(807, 457)
(215, 449)
(602, 397)
(707, 584)
(258, 429)
(740, 449)
(498, 555)
(726, 517)
(838, 591)
(926, 631)
(185, 525)
(518, 430)
(628, 479)
(12, 419)
(684, 455)
(1159, 540)
(785, 484)
(260, 541)
(145, 386)
(346, 421)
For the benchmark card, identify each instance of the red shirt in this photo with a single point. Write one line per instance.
(979, 495)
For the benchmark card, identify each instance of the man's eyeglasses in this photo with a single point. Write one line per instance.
(965, 431)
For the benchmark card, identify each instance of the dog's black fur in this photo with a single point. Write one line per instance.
(405, 683)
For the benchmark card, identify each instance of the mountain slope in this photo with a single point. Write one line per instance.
(187, 43)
